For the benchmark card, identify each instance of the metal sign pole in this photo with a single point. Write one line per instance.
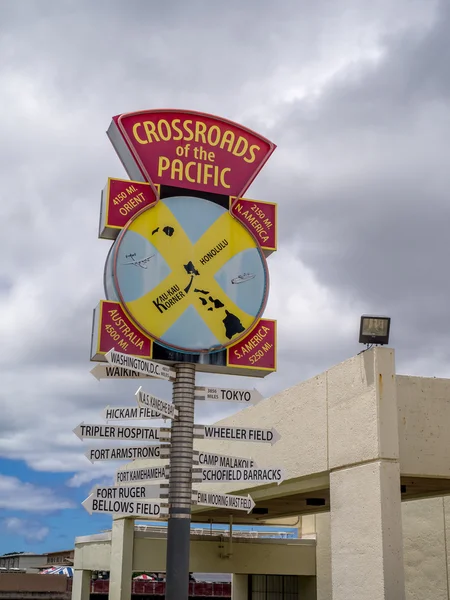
(180, 484)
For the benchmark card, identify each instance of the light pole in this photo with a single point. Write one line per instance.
(180, 484)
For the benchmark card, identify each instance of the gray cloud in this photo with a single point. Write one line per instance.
(354, 94)
(372, 193)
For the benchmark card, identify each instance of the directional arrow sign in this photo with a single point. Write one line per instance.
(129, 413)
(108, 372)
(117, 432)
(123, 453)
(133, 476)
(225, 501)
(132, 508)
(129, 492)
(228, 395)
(146, 400)
(142, 365)
(210, 459)
(237, 434)
(125, 476)
(243, 475)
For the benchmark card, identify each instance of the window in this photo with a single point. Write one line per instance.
(274, 587)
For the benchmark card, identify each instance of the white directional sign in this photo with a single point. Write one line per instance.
(237, 434)
(129, 413)
(123, 453)
(243, 475)
(131, 508)
(124, 476)
(109, 372)
(146, 400)
(210, 459)
(228, 395)
(142, 365)
(125, 492)
(127, 476)
(118, 432)
(225, 501)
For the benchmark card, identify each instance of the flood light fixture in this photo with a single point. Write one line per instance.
(374, 330)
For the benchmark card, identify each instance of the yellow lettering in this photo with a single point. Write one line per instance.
(206, 173)
(177, 168)
(168, 133)
(228, 138)
(222, 178)
(188, 172)
(200, 132)
(136, 135)
(242, 151)
(163, 165)
(253, 148)
(179, 135)
(118, 199)
(190, 132)
(149, 127)
(193, 171)
(200, 129)
(213, 141)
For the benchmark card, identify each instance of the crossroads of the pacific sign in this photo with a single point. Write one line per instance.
(189, 275)
(189, 150)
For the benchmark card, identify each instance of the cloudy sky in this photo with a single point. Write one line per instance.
(356, 96)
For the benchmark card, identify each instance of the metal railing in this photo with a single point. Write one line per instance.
(158, 588)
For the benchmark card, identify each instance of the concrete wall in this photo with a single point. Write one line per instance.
(426, 540)
(318, 419)
(93, 556)
(284, 557)
(424, 422)
(247, 557)
(299, 414)
(323, 556)
(32, 582)
(315, 420)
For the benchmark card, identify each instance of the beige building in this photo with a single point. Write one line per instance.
(367, 460)
(60, 558)
(24, 561)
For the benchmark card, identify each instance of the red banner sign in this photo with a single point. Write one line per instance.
(191, 150)
(260, 218)
(257, 350)
(115, 330)
(121, 200)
